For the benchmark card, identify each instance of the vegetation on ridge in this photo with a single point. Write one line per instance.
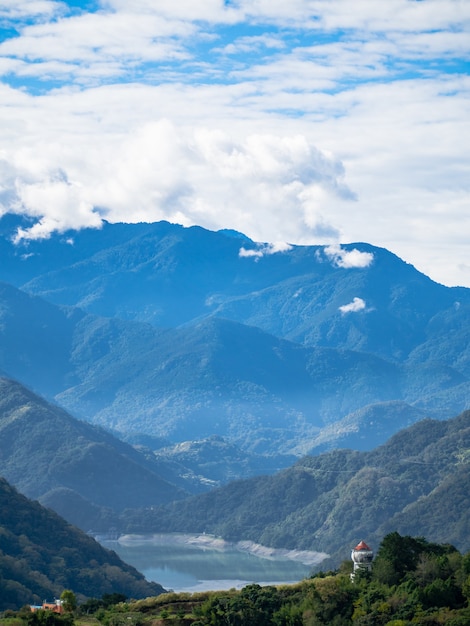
(412, 582)
(41, 555)
(416, 483)
(196, 339)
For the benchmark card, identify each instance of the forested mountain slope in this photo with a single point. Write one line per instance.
(41, 555)
(415, 483)
(185, 333)
(168, 275)
(88, 475)
(267, 395)
(82, 471)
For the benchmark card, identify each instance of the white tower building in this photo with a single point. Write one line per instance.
(361, 557)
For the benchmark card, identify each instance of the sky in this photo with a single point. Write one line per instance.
(292, 121)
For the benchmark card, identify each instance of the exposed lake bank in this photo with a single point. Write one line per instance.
(306, 557)
(184, 562)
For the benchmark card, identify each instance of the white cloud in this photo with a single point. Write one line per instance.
(315, 103)
(347, 259)
(252, 44)
(120, 38)
(262, 250)
(159, 171)
(357, 304)
(58, 204)
(212, 11)
(13, 9)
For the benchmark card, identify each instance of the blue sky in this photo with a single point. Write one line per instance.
(308, 121)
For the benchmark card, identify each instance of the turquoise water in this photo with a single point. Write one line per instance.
(184, 567)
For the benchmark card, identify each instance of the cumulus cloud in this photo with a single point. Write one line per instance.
(264, 249)
(274, 137)
(58, 204)
(211, 11)
(262, 185)
(347, 259)
(97, 43)
(358, 304)
(254, 43)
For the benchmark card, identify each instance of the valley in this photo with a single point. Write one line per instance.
(182, 334)
(161, 379)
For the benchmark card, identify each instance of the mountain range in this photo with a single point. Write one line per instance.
(50, 456)
(182, 334)
(144, 365)
(416, 484)
(89, 476)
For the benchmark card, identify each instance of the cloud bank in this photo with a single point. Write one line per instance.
(262, 250)
(313, 121)
(189, 176)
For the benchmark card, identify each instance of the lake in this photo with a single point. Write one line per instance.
(199, 562)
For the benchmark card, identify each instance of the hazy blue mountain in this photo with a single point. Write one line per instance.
(50, 456)
(88, 476)
(183, 333)
(266, 394)
(416, 483)
(215, 461)
(170, 275)
(222, 357)
(365, 428)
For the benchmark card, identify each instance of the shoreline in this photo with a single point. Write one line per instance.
(203, 541)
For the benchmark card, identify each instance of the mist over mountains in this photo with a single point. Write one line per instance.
(141, 364)
(90, 477)
(183, 333)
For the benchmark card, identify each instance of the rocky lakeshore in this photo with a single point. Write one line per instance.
(306, 557)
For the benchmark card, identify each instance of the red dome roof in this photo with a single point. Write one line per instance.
(362, 546)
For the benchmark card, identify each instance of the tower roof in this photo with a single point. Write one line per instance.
(362, 545)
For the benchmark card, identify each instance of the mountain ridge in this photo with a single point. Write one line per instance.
(189, 272)
(185, 333)
(89, 476)
(262, 392)
(41, 554)
(66, 453)
(417, 483)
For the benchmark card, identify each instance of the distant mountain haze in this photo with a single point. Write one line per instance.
(89, 476)
(152, 373)
(168, 275)
(43, 450)
(183, 333)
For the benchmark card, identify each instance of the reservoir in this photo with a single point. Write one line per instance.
(199, 562)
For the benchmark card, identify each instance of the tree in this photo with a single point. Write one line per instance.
(69, 601)
(398, 555)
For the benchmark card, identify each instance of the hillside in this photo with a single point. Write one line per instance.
(184, 333)
(83, 472)
(41, 555)
(216, 377)
(412, 581)
(88, 476)
(416, 483)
